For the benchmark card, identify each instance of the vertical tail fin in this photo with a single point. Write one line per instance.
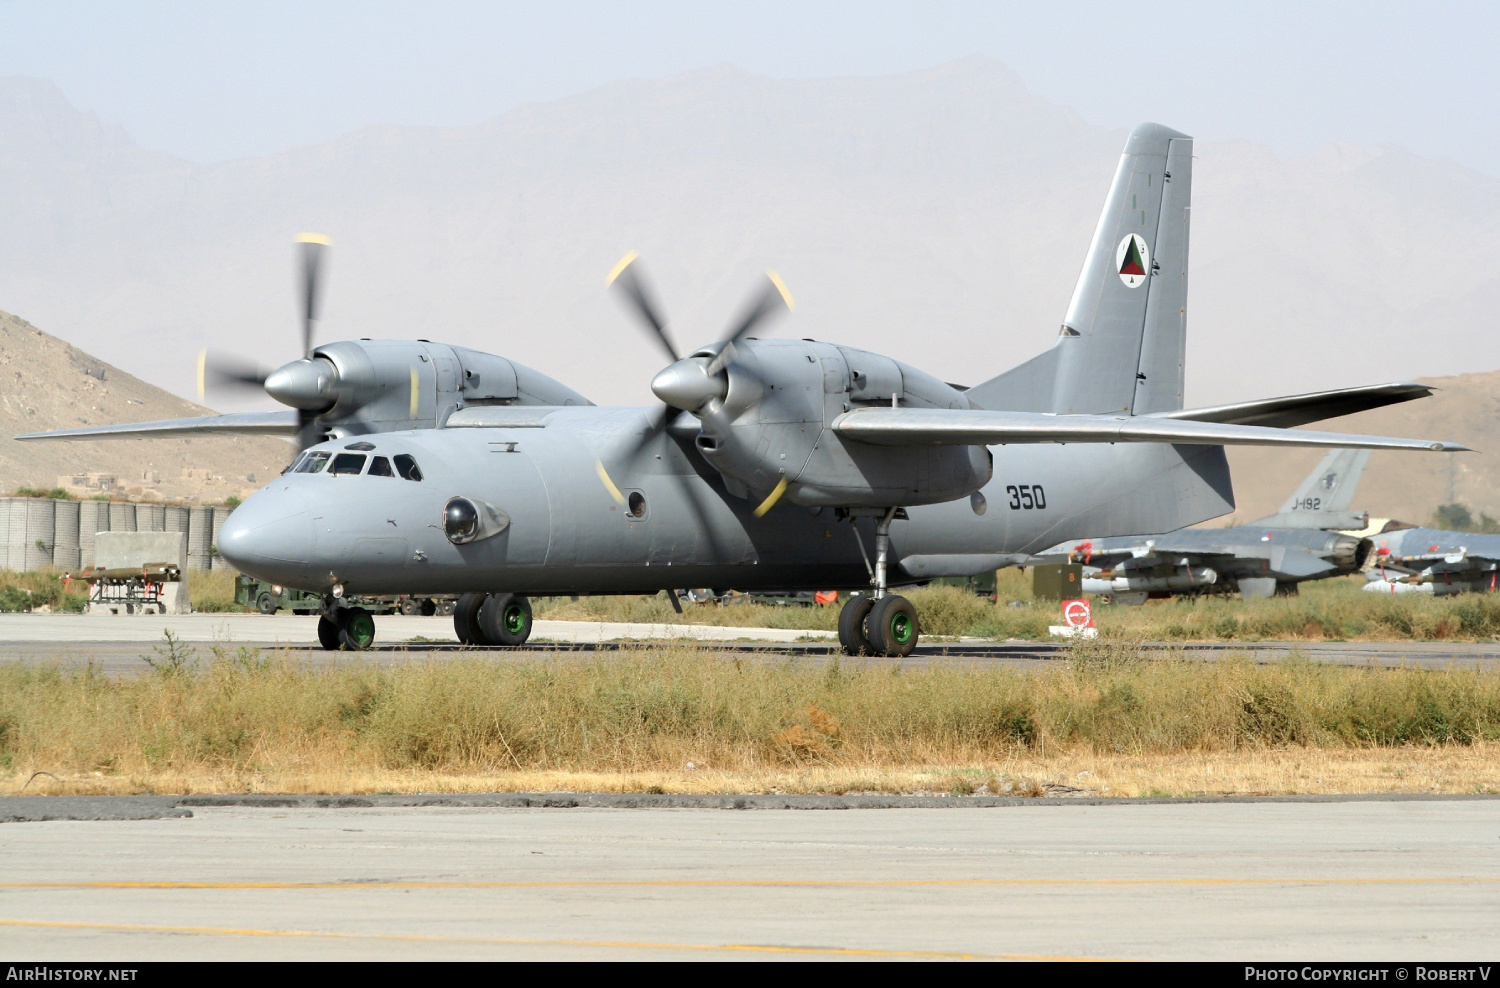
(1121, 345)
(1331, 485)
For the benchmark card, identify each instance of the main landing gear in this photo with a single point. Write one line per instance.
(351, 629)
(882, 623)
(492, 619)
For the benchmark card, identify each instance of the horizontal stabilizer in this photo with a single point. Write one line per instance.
(1326, 521)
(233, 424)
(1293, 410)
(974, 427)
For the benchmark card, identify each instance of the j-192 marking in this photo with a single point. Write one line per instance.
(1025, 497)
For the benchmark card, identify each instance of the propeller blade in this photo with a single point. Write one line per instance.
(228, 371)
(656, 425)
(773, 298)
(625, 277)
(309, 429)
(313, 245)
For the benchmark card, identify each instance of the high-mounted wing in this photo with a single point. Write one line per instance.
(1293, 410)
(233, 424)
(977, 427)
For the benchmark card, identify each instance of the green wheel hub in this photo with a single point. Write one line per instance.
(515, 619)
(361, 629)
(901, 628)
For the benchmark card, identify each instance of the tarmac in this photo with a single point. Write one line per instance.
(115, 645)
(641, 877)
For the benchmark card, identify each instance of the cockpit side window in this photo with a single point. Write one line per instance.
(348, 463)
(381, 467)
(407, 467)
(313, 462)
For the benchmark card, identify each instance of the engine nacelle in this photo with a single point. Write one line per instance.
(772, 424)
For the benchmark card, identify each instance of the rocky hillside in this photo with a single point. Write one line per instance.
(48, 384)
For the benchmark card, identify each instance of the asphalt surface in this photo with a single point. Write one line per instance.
(1363, 879)
(115, 645)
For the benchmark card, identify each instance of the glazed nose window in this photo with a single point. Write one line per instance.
(461, 521)
(348, 463)
(407, 467)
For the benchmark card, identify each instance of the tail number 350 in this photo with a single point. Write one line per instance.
(1026, 496)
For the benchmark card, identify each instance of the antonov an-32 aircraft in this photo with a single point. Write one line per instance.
(794, 464)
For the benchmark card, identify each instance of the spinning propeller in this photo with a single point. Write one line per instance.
(691, 383)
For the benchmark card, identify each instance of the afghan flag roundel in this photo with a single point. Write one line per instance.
(1132, 260)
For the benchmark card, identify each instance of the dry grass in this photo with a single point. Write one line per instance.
(1109, 721)
(41, 590)
(212, 590)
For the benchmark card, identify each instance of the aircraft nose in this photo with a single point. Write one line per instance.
(270, 536)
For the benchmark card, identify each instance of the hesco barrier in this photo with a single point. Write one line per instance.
(41, 530)
(12, 532)
(93, 517)
(121, 516)
(38, 532)
(150, 517)
(221, 515)
(200, 537)
(65, 544)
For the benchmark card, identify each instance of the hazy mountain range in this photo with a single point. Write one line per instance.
(939, 216)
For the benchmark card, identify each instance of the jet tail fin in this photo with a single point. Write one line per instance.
(1122, 342)
(1331, 486)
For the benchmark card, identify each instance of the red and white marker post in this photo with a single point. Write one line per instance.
(1078, 620)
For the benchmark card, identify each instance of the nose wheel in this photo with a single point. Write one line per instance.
(351, 629)
(502, 619)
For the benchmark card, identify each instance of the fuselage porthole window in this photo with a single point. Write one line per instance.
(313, 462)
(381, 467)
(349, 464)
(407, 467)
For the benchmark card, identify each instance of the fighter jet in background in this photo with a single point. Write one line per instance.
(1305, 540)
(1433, 561)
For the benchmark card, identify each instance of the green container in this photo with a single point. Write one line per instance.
(1061, 581)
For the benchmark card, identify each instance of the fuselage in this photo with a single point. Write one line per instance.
(373, 530)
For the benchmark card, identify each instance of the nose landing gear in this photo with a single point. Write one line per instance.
(351, 629)
(884, 623)
(502, 619)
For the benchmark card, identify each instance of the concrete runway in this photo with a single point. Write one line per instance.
(1365, 879)
(115, 644)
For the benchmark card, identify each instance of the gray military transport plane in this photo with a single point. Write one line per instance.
(348, 388)
(794, 464)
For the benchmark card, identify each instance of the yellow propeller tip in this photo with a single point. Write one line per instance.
(770, 501)
(786, 295)
(620, 267)
(609, 485)
(314, 238)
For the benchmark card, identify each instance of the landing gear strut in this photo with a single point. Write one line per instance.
(492, 619)
(882, 623)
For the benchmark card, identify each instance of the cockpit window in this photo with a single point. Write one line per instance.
(313, 462)
(380, 467)
(407, 467)
(348, 463)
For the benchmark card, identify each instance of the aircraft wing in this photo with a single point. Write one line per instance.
(1283, 413)
(977, 427)
(233, 424)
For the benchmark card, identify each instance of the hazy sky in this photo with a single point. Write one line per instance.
(214, 80)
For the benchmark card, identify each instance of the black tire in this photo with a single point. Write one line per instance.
(266, 602)
(852, 635)
(445, 607)
(892, 627)
(466, 619)
(328, 633)
(427, 608)
(505, 619)
(410, 606)
(356, 629)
